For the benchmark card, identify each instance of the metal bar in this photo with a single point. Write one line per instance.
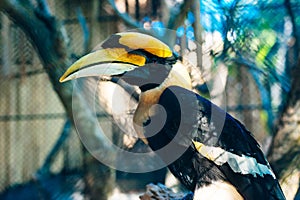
(30, 73)
(30, 117)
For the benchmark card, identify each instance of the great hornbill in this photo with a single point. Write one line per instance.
(208, 150)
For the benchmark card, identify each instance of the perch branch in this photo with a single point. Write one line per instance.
(160, 191)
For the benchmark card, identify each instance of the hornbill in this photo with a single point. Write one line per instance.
(208, 150)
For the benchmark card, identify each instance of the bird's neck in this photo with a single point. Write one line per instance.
(178, 76)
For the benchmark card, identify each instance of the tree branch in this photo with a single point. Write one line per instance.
(198, 32)
(178, 14)
(284, 155)
(85, 29)
(54, 53)
(288, 6)
(124, 16)
(49, 38)
(45, 169)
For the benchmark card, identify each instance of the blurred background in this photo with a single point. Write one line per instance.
(243, 55)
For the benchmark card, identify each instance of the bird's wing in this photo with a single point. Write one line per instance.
(192, 120)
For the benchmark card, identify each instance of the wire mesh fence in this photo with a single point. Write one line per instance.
(31, 115)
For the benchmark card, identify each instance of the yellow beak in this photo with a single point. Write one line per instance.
(116, 57)
(103, 62)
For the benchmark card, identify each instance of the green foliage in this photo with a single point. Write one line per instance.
(257, 35)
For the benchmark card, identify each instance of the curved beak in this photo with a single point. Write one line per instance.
(115, 58)
(103, 62)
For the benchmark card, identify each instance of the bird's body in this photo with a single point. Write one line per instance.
(212, 158)
(209, 151)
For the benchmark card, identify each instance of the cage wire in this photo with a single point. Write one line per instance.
(32, 117)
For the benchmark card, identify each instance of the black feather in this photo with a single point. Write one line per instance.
(187, 117)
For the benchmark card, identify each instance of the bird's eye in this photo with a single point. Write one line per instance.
(147, 122)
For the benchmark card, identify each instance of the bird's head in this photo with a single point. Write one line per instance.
(137, 58)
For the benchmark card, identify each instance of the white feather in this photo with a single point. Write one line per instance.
(239, 164)
(217, 190)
